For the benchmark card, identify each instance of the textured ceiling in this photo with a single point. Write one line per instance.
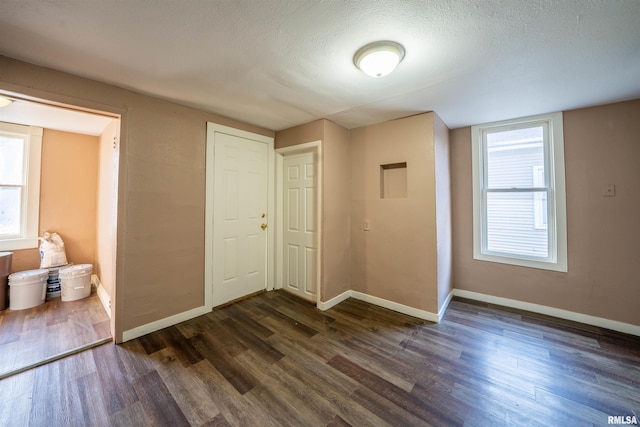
(279, 63)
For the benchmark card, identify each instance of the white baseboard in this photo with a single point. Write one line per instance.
(614, 325)
(400, 308)
(391, 305)
(443, 309)
(324, 306)
(164, 323)
(103, 295)
(411, 311)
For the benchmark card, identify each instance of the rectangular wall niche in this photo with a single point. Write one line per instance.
(393, 181)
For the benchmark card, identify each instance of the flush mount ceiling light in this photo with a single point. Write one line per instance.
(4, 101)
(378, 59)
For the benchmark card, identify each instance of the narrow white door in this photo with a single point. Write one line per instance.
(300, 227)
(240, 217)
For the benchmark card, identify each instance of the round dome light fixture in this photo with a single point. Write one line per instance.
(4, 101)
(379, 58)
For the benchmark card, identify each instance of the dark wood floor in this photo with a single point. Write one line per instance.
(38, 333)
(273, 360)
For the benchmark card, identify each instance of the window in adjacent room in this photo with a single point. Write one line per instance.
(20, 152)
(519, 208)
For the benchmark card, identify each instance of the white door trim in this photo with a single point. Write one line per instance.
(212, 129)
(308, 147)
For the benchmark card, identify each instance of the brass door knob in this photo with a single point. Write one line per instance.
(263, 226)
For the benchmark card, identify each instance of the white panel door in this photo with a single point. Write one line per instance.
(300, 227)
(240, 209)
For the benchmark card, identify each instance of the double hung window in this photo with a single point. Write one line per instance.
(519, 192)
(20, 153)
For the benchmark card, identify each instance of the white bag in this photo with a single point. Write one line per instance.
(52, 252)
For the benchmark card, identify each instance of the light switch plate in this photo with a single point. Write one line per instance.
(366, 225)
(609, 190)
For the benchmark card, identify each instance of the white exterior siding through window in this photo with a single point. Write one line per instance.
(512, 158)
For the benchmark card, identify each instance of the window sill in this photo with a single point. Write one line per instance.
(559, 266)
(19, 244)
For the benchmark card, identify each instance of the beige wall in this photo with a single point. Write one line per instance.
(406, 257)
(68, 185)
(601, 147)
(336, 199)
(443, 209)
(397, 259)
(106, 204)
(161, 197)
(308, 132)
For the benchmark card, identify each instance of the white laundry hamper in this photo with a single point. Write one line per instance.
(75, 281)
(27, 289)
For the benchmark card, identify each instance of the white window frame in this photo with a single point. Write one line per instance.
(538, 198)
(556, 194)
(30, 209)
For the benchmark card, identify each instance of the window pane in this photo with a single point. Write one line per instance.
(511, 224)
(11, 160)
(512, 154)
(10, 202)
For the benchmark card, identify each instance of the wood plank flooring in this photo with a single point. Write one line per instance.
(274, 360)
(55, 327)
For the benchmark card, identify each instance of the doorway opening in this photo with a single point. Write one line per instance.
(78, 200)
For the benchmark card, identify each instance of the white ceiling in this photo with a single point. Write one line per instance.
(30, 113)
(279, 63)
